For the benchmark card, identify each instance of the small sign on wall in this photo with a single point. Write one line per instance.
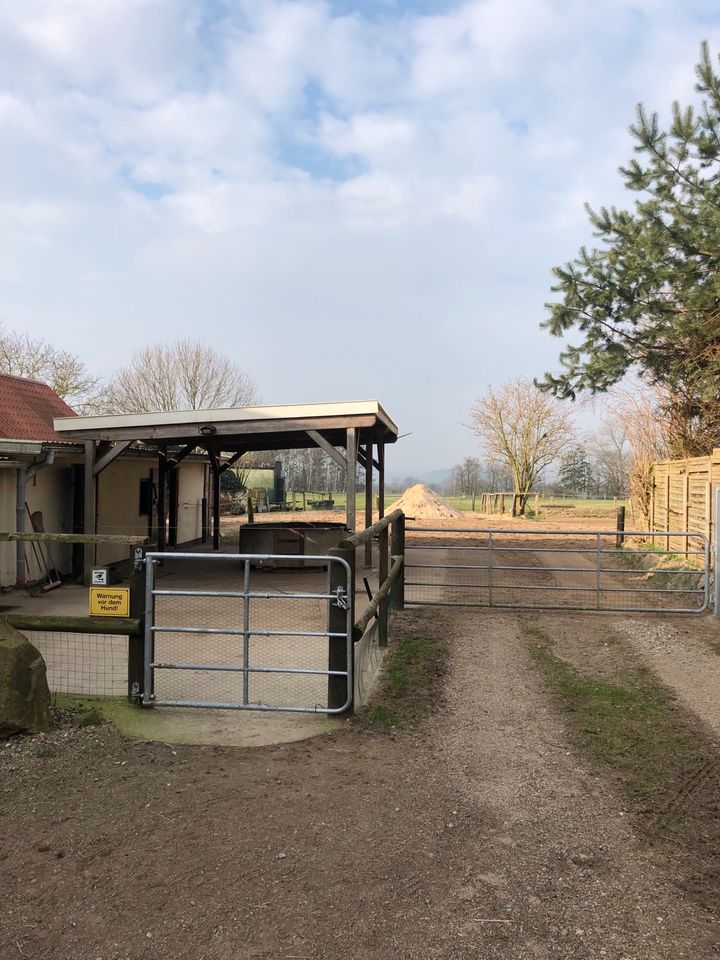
(109, 602)
(99, 577)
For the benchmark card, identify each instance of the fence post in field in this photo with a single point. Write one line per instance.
(337, 622)
(397, 549)
(136, 642)
(620, 528)
(716, 552)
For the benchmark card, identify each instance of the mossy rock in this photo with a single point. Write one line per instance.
(24, 692)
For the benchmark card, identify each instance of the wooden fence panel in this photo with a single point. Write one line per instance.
(682, 497)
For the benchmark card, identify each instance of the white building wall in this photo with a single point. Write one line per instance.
(191, 485)
(50, 491)
(118, 503)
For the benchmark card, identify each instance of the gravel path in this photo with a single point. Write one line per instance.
(685, 664)
(560, 860)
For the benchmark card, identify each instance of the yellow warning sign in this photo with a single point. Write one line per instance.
(109, 601)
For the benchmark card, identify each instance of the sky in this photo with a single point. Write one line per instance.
(351, 200)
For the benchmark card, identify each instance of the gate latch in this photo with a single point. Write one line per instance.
(340, 598)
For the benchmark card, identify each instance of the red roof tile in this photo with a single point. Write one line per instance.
(27, 409)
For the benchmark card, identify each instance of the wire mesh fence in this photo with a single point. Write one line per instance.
(241, 632)
(581, 570)
(89, 664)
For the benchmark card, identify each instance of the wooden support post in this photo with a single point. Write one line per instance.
(667, 507)
(162, 502)
(384, 546)
(368, 500)
(337, 623)
(351, 477)
(89, 510)
(397, 549)
(136, 642)
(686, 509)
(173, 481)
(216, 508)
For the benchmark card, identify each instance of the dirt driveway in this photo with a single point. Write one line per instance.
(486, 833)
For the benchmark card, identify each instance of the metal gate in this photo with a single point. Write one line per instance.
(246, 632)
(623, 571)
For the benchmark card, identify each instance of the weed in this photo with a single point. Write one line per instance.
(407, 689)
(630, 723)
(46, 750)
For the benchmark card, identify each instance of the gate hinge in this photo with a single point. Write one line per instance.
(340, 598)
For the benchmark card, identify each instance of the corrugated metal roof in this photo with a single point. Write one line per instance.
(27, 410)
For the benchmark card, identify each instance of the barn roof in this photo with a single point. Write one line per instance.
(251, 428)
(27, 410)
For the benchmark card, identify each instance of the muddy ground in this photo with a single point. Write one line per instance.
(486, 831)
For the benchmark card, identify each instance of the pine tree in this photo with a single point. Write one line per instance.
(648, 298)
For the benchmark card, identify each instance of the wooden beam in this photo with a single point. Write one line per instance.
(161, 502)
(191, 431)
(362, 461)
(329, 449)
(59, 624)
(215, 473)
(233, 460)
(84, 538)
(112, 454)
(89, 509)
(177, 458)
(350, 477)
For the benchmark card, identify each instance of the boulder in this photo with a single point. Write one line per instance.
(24, 692)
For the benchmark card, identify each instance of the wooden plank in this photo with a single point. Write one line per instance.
(123, 626)
(329, 449)
(85, 538)
(112, 454)
(363, 536)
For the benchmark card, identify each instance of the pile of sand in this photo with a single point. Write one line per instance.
(421, 502)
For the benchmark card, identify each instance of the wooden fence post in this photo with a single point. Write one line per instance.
(620, 528)
(337, 623)
(397, 549)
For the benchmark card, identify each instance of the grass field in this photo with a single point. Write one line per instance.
(462, 503)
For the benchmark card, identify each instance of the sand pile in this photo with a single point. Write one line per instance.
(421, 502)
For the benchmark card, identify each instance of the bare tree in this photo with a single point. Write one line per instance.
(612, 457)
(523, 429)
(34, 358)
(466, 476)
(639, 413)
(178, 376)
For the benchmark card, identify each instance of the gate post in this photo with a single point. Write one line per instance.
(136, 642)
(337, 623)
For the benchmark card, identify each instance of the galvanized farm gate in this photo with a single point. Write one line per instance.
(625, 571)
(241, 632)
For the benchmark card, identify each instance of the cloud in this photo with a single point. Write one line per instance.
(317, 188)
